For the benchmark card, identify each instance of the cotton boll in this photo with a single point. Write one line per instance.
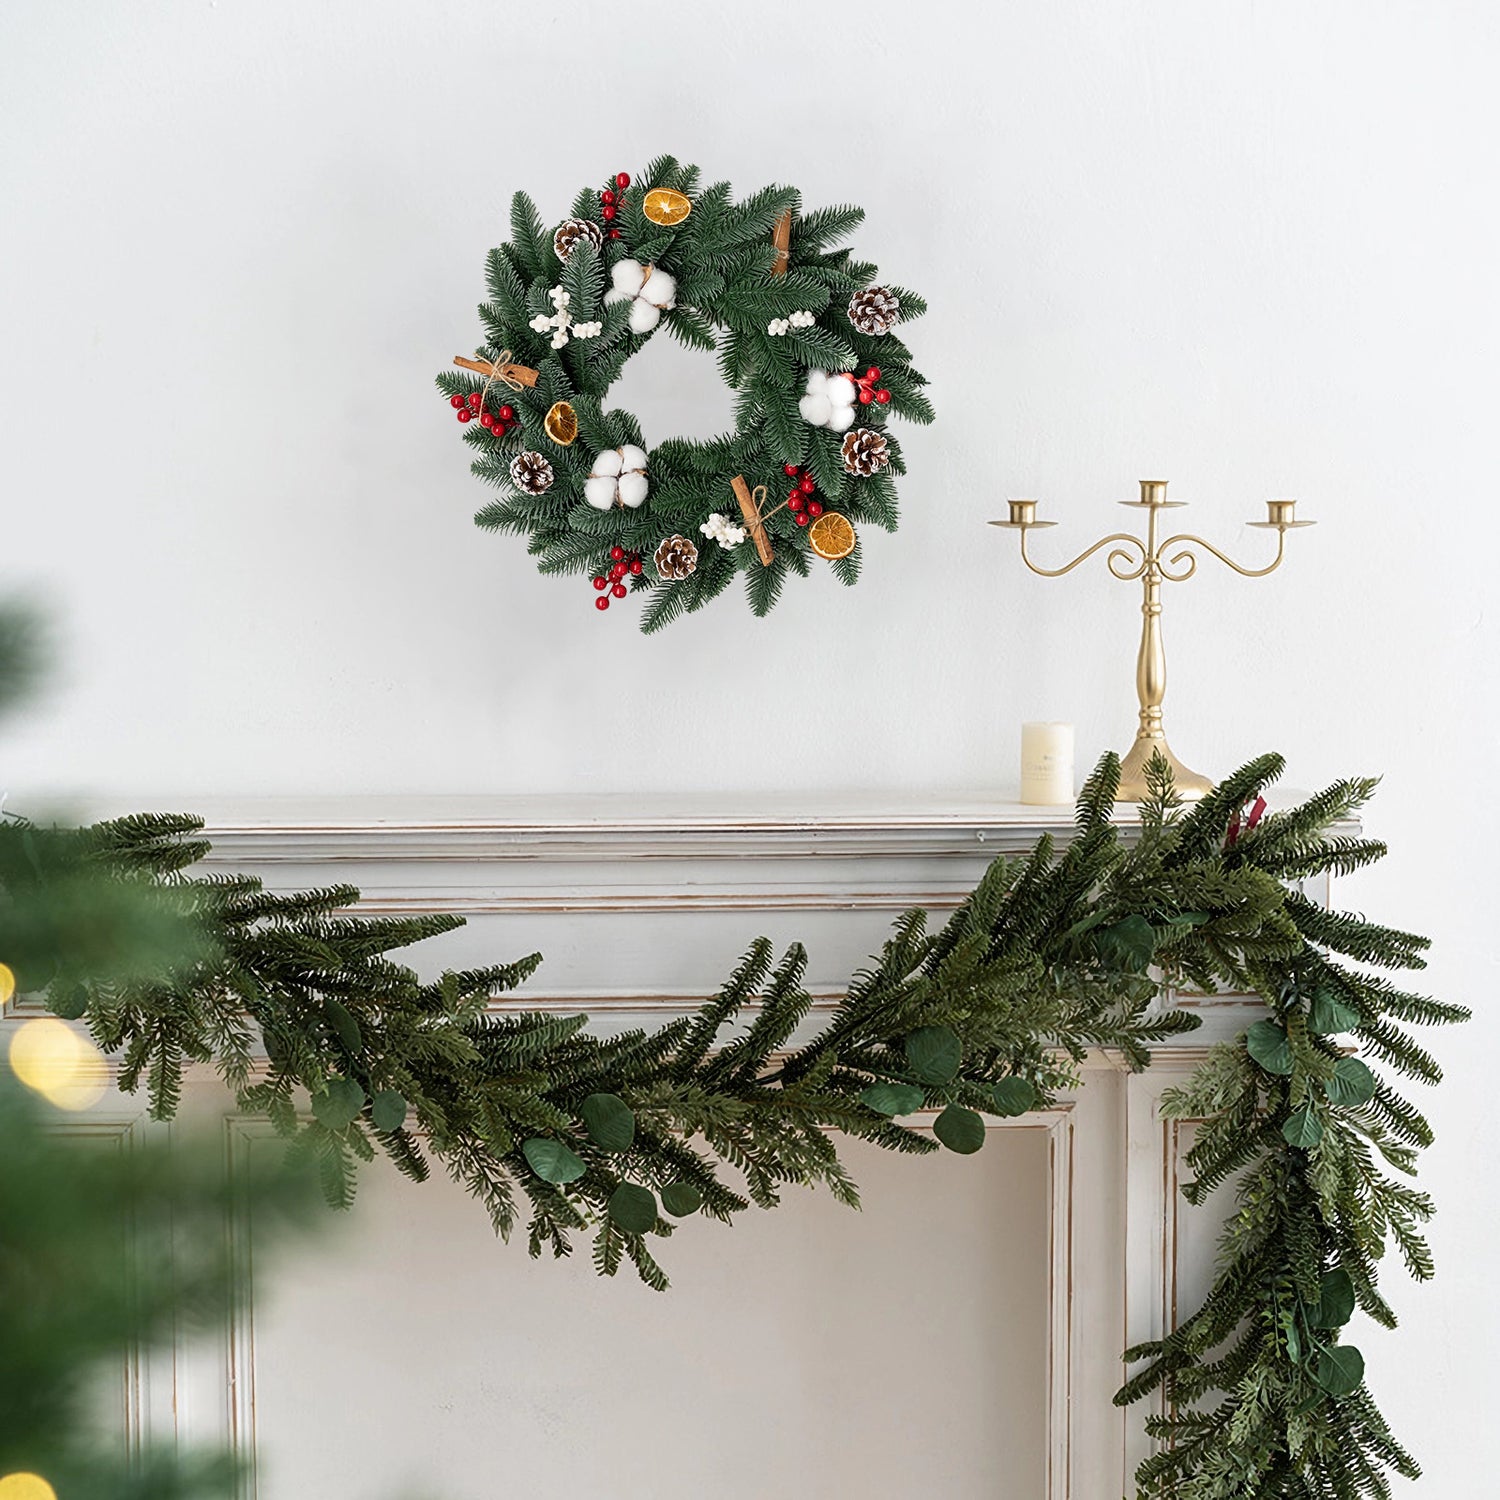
(815, 409)
(842, 418)
(817, 382)
(661, 289)
(607, 462)
(632, 457)
(600, 491)
(841, 390)
(627, 277)
(632, 487)
(643, 316)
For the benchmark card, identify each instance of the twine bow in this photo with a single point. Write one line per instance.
(751, 507)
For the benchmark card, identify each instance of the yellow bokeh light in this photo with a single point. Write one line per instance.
(65, 1068)
(26, 1487)
(7, 984)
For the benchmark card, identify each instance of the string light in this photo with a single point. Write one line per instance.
(65, 1068)
(26, 1487)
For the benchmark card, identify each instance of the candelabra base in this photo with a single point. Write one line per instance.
(1191, 787)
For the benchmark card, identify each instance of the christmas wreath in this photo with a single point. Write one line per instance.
(805, 336)
(631, 1136)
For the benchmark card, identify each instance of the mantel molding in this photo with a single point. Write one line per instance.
(594, 827)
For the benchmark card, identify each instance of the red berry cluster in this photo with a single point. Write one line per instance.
(610, 204)
(621, 562)
(499, 422)
(799, 499)
(867, 384)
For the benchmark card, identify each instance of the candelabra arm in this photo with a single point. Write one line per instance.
(1119, 555)
(1185, 540)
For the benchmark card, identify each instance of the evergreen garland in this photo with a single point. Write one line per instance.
(770, 332)
(1048, 957)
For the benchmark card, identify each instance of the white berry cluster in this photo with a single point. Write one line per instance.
(561, 322)
(721, 529)
(778, 326)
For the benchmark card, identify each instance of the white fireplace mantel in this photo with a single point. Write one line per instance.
(641, 907)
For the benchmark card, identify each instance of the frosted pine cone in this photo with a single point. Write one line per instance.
(866, 452)
(570, 231)
(676, 558)
(874, 310)
(531, 473)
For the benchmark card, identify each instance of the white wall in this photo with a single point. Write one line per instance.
(1249, 247)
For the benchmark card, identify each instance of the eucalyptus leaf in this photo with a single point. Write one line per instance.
(1303, 1128)
(960, 1129)
(1328, 1016)
(345, 1027)
(633, 1208)
(934, 1053)
(388, 1110)
(609, 1120)
(338, 1105)
(1340, 1370)
(1352, 1082)
(1335, 1304)
(892, 1098)
(276, 1048)
(680, 1199)
(1129, 943)
(69, 1002)
(1267, 1043)
(1013, 1096)
(1308, 1403)
(552, 1161)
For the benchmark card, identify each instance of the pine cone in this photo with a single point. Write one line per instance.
(570, 231)
(676, 558)
(874, 310)
(531, 473)
(866, 452)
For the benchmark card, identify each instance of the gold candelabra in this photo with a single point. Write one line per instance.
(1153, 561)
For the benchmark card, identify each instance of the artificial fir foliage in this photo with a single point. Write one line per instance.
(759, 282)
(102, 907)
(1048, 957)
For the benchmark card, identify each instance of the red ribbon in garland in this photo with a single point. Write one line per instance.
(1237, 825)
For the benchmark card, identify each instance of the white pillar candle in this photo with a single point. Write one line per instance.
(1047, 764)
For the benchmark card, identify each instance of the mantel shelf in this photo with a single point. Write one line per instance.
(616, 827)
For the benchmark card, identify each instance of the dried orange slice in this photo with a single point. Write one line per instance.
(561, 424)
(666, 206)
(831, 536)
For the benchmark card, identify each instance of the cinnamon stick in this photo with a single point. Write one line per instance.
(510, 374)
(781, 237)
(751, 513)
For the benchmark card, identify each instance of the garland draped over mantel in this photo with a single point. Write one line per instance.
(1048, 957)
